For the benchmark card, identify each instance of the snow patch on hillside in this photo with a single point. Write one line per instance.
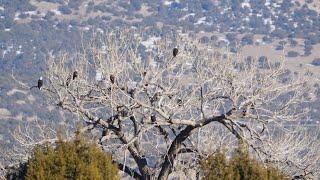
(168, 3)
(56, 11)
(187, 15)
(246, 4)
(203, 21)
(149, 43)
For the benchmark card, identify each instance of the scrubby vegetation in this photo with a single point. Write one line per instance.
(75, 159)
(239, 167)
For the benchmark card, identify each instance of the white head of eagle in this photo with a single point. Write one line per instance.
(40, 82)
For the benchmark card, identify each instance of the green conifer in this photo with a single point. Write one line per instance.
(239, 167)
(75, 159)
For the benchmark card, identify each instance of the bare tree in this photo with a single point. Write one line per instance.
(159, 114)
(27, 136)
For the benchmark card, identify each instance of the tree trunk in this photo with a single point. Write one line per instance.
(173, 151)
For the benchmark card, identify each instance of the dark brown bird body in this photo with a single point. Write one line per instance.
(40, 83)
(112, 79)
(175, 52)
(153, 118)
(75, 75)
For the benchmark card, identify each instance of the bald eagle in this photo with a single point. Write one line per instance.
(112, 79)
(75, 75)
(175, 51)
(40, 82)
(153, 118)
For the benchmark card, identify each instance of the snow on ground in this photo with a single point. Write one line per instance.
(100, 30)
(13, 91)
(87, 28)
(4, 112)
(275, 5)
(221, 38)
(168, 3)
(17, 14)
(185, 9)
(270, 22)
(246, 4)
(18, 52)
(103, 49)
(8, 50)
(31, 12)
(187, 15)
(20, 102)
(149, 43)
(267, 3)
(202, 21)
(56, 11)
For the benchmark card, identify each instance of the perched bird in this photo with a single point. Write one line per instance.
(154, 97)
(112, 79)
(144, 73)
(153, 118)
(75, 75)
(68, 81)
(175, 52)
(243, 112)
(179, 102)
(143, 160)
(236, 113)
(125, 88)
(122, 111)
(40, 82)
(60, 104)
(131, 92)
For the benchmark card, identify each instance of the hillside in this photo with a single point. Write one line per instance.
(31, 30)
